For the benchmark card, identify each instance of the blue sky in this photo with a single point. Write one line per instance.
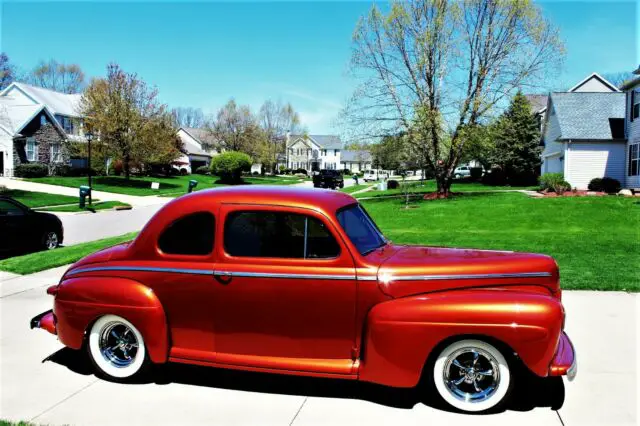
(203, 53)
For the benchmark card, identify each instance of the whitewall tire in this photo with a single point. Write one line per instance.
(116, 347)
(472, 376)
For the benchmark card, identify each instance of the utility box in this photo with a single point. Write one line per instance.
(84, 193)
(192, 184)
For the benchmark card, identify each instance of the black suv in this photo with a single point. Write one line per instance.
(328, 179)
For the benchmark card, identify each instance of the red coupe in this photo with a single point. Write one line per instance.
(302, 281)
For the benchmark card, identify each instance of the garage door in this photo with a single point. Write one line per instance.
(592, 160)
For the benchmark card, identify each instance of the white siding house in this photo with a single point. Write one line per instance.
(313, 152)
(193, 140)
(632, 132)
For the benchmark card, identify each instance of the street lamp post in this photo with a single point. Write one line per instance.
(89, 137)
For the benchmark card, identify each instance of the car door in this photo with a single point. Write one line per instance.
(286, 291)
(14, 229)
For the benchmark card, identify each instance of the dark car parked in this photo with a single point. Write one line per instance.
(24, 229)
(328, 179)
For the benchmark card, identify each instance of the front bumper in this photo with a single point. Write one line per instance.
(565, 362)
(45, 321)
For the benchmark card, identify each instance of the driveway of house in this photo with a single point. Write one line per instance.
(46, 384)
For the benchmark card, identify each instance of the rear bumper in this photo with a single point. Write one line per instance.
(45, 321)
(564, 362)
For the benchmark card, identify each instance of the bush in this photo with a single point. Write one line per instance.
(203, 170)
(605, 184)
(255, 173)
(554, 182)
(393, 184)
(476, 173)
(282, 169)
(230, 165)
(300, 171)
(31, 170)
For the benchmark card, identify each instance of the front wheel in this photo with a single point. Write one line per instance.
(50, 240)
(116, 348)
(472, 376)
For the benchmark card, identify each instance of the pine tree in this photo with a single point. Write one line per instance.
(517, 144)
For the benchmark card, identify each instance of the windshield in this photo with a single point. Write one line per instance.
(363, 233)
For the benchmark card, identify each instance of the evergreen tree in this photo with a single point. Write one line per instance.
(517, 143)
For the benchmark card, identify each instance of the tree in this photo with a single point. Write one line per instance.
(618, 78)
(188, 117)
(276, 120)
(390, 153)
(57, 76)
(517, 143)
(128, 118)
(431, 68)
(236, 128)
(230, 165)
(7, 71)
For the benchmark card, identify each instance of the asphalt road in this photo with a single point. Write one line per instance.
(44, 383)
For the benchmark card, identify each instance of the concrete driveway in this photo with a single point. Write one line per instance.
(46, 384)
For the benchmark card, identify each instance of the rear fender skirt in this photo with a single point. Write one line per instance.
(402, 333)
(81, 301)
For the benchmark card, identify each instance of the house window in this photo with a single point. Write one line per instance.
(65, 123)
(634, 159)
(635, 98)
(43, 120)
(32, 149)
(336, 151)
(55, 153)
(324, 152)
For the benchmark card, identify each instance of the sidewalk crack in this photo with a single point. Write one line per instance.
(299, 409)
(63, 400)
(560, 417)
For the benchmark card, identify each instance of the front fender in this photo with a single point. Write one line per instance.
(80, 301)
(402, 333)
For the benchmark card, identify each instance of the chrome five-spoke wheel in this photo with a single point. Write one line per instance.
(116, 347)
(472, 375)
(51, 240)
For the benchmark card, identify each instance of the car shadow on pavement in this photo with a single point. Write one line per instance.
(531, 392)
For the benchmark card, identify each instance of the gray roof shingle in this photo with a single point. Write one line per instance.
(585, 115)
(355, 156)
(538, 102)
(324, 141)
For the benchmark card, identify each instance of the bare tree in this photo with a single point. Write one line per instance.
(57, 76)
(434, 68)
(7, 71)
(618, 78)
(188, 117)
(276, 119)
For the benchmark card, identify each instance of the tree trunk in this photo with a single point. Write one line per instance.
(125, 166)
(444, 184)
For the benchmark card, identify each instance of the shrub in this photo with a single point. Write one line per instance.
(3, 190)
(32, 170)
(554, 182)
(393, 184)
(300, 171)
(203, 170)
(255, 173)
(476, 173)
(230, 165)
(282, 169)
(605, 184)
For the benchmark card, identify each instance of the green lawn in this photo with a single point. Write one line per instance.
(42, 260)
(595, 240)
(75, 208)
(417, 188)
(38, 199)
(175, 185)
(354, 188)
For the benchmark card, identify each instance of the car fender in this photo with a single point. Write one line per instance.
(81, 301)
(401, 334)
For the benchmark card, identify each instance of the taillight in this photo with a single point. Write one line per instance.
(53, 290)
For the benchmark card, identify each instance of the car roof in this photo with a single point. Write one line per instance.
(326, 200)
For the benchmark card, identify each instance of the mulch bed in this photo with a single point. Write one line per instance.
(573, 194)
(437, 196)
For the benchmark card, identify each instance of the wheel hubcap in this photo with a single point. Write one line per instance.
(471, 375)
(118, 344)
(52, 240)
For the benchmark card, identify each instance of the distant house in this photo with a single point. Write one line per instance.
(313, 152)
(34, 124)
(193, 140)
(632, 132)
(356, 161)
(583, 132)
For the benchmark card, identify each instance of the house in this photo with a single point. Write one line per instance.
(193, 140)
(356, 161)
(313, 152)
(583, 132)
(632, 132)
(35, 123)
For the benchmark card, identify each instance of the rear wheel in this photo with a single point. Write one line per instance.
(116, 348)
(472, 376)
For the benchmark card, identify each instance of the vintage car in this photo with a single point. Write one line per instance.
(301, 281)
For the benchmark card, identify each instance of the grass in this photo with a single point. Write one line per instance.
(595, 240)
(417, 188)
(39, 261)
(75, 208)
(38, 199)
(141, 186)
(354, 188)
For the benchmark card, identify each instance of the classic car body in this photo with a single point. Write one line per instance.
(301, 282)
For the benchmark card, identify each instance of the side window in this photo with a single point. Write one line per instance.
(190, 235)
(279, 235)
(7, 208)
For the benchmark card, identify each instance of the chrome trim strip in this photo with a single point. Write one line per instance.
(469, 276)
(367, 278)
(277, 275)
(142, 269)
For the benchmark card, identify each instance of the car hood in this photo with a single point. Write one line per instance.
(414, 270)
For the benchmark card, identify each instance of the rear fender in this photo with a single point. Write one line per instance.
(81, 301)
(402, 333)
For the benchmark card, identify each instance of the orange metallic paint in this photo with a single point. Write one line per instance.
(376, 323)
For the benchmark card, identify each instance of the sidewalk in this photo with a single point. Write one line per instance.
(134, 200)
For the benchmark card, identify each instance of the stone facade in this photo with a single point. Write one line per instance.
(45, 136)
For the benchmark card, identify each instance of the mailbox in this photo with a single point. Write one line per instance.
(84, 193)
(192, 184)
